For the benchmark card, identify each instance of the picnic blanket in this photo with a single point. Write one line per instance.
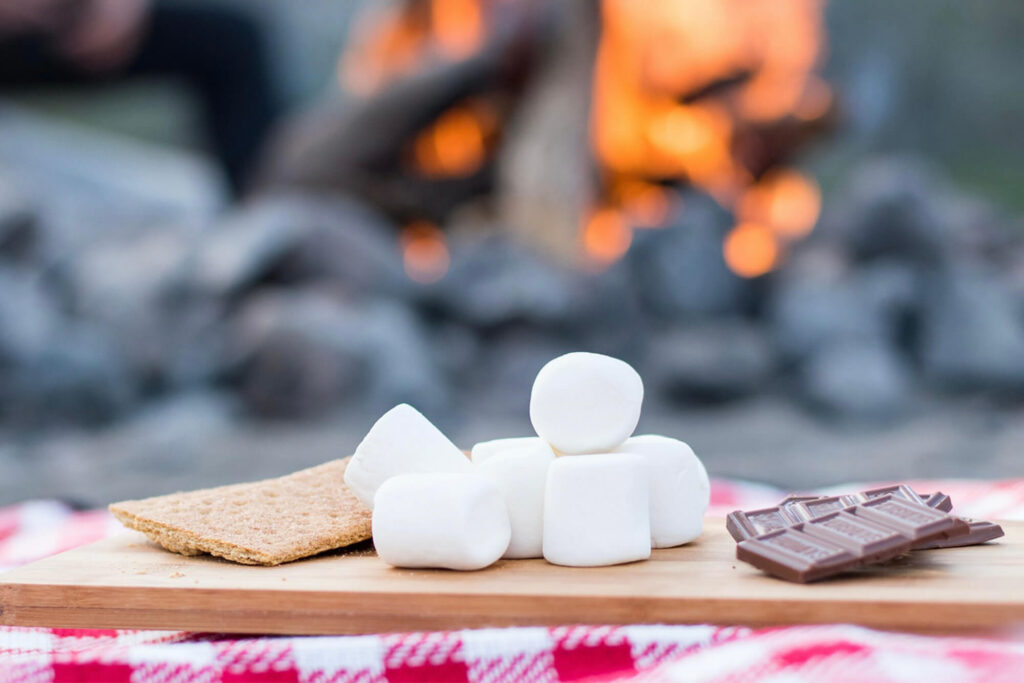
(639, 652)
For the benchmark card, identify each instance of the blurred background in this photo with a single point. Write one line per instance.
(232, 234)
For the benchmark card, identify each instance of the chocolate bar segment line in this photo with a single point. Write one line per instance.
(795, 556)
(742, 525)
(915, 521)
(869, 541)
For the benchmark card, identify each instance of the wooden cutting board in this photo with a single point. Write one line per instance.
(126, 582)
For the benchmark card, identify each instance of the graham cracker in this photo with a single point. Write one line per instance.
(264, 522)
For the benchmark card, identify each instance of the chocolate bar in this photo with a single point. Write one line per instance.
(829, 537)
(979, 531)
(808, 510)
(966, 532)
(743, 525)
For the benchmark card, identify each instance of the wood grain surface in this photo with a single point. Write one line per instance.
(127, 582)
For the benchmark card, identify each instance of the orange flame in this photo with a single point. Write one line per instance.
(606, 235)
(458, 26)
(424, 252)
(647, 123)
(385, 44)
(646, 204)
(394, 41)
(785, 200)
(455, 145)
(750, 249)
(680, 88)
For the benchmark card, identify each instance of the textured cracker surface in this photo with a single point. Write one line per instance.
(264, 522)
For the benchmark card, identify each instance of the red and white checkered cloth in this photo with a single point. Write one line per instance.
(568, 653)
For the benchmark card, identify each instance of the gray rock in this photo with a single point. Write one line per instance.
(302, 353)
(856, 379)
(494, 282)
(114, 280)
(807, 313)
(401, 367)
(296, 354)
(712, 361)
(900, 208)
(19, 223)
(890, 208)
(608, 316)
(972, 332)
(52, 368)
(295, 238)
(168, 429)
(138, 288)
(248, 245)
(349, 244)
(893, 288)
(456, 350)
(29, 315)
(680, 270)
(508, 365)
(77, 377)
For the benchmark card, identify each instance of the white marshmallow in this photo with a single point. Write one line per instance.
(401, 441)
(679, 488)
(596, 510)
(586, 402)
(486, 449)
(443, 520)
(521, 475)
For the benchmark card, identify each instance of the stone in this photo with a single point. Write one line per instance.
(680, 269)
(127, 276)
(858, 379)
(710, 361)
(890, 208)
(972, 331)
(302, 352)
(509, 362)
(348, 243)
(494, 282)
(139, 288)
(609, 315)
(288, 238)
(19, 223)
(890, 287)
(807, 312)
(248, 245)
(29, 315)
(77, 377)
(294, 354)
(401, 366)
(54, 369)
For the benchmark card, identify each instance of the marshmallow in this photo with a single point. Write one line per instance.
(679, 488)
(586, 402)
(596, 510)
(521, 475)
(486, 449)
(401, 441)
(443, 520)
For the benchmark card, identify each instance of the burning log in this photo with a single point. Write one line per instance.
(547, 174)
(575, 120)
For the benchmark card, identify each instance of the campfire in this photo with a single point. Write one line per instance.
(710, 94)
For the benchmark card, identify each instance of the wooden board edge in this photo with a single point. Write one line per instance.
(381, 613)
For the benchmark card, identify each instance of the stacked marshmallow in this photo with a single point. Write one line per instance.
(582, 493)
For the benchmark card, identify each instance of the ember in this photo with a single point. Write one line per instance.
(424, 252)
